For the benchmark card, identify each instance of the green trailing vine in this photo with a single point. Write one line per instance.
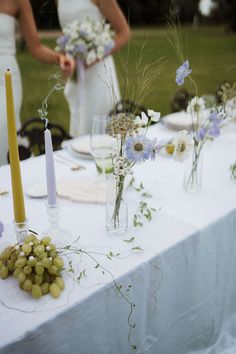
(233, 171)
(122, 292)
(144, 211)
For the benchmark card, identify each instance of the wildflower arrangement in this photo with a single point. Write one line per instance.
(206, 122)
(133, 146)
(86, 41)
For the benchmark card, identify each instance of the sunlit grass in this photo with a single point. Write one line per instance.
(211, 52)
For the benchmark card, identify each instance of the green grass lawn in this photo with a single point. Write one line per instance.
(211, 52)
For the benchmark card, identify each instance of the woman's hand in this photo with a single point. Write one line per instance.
(67, 65)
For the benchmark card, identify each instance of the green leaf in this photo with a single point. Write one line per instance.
(137, 248)
(130, 240)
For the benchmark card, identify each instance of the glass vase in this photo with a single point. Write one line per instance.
(193, 171)
(116, 208)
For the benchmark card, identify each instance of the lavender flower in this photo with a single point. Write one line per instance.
(139, 148)
(109, 47)
(62, 41)
(81, 48)
(201, 133)
(182, 72)
(214, 118)
(214, 131)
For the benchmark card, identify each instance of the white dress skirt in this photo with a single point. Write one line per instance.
(8, 61)
(97, 97)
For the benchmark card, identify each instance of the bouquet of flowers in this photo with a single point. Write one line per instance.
(86, 41)
(132, 147)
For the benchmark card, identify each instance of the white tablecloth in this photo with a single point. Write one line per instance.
(183, 283)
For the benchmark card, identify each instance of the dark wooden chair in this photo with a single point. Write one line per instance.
(33, 131)
(128, 106)
(180, 100)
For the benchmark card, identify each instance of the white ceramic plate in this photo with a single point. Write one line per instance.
(81, 144)
(36, 190)
(67, 145)
(178, 121)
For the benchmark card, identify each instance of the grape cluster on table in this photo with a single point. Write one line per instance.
(36, 264)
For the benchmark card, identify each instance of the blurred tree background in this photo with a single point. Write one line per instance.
(210, 49)
(224, 11)
(151, 12)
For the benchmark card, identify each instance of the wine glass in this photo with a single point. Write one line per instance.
(101, 145)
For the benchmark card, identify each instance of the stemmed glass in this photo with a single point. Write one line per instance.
(101, 145)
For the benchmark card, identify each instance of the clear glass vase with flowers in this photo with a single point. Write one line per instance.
(206, 122)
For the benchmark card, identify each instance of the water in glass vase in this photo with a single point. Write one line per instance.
(193, 172)
(101, 145)
(103, 160)
(116, 208)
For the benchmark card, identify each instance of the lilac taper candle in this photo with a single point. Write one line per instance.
(50, 170)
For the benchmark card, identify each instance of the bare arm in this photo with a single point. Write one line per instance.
(112, 12)
(36, 49)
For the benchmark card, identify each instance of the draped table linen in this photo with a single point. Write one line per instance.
(183, 283)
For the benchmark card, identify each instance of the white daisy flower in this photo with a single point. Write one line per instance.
(91, 57)
(154, 116)
(197, 107)
(141, 121)
(183, 144)
(144, 118)
(100, 52)
(138, 120)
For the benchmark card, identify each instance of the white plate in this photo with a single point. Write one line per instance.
(81, 144)
(178, 121)
(67, 145)
(36, 190)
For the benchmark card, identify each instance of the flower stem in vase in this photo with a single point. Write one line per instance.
(117, 213)
(193, 173)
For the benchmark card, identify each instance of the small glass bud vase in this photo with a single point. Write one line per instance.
(193, 171)
(21, 230)
(116, 208)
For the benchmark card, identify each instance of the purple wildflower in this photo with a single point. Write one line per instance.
(109, 48)
(139, 148)
(214, 131)
(81, 48)
(201, 133)
(182, 72)
(62, 41)
(214, 118)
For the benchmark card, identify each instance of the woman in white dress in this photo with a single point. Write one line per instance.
(10, 11)
(97, 98)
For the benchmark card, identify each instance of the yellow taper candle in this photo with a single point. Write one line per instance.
(17, 190)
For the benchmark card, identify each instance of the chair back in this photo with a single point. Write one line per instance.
(128, 106)
(33, 132)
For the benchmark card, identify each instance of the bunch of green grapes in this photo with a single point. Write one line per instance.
(36, 264)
